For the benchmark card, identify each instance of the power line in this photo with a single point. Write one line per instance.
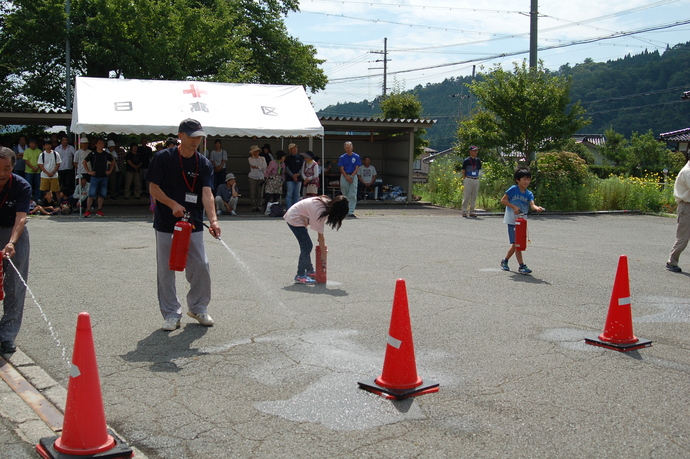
(424, 7)
(634, 96)
(545, 48)
(497, 37)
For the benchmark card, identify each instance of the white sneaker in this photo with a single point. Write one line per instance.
(203, 318)
(232, 212)
(171, 323)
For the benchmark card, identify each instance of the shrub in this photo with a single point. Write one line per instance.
(563, 182)
(647, 193)
(444, 185)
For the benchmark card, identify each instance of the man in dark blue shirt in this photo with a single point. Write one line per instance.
(470, 180)
(15, 196)
(181, 180)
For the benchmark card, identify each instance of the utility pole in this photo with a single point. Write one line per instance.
(68, 79)
(533, 15)
(462, 96)
(385, 65)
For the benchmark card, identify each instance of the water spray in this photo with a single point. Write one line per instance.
(53, 333)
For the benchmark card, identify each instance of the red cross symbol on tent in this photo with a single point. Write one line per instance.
(194, 91)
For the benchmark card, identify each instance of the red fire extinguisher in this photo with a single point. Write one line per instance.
(520, 234)
(321, 268)
(180, 244)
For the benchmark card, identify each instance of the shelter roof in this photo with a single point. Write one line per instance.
(380, 125)
(682, 135)
(34, 117)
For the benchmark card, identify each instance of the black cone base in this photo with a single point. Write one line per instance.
(398, 394)
(47, 450)
(639, 344)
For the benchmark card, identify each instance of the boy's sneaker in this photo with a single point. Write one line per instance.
(171, 323)
(673, 268)
(100, 213)
(203, 318)
(523, 269)
(304, 280)
(232, 212)
(504, 265)
(87, 214)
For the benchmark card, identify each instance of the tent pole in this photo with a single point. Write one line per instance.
(323, 162)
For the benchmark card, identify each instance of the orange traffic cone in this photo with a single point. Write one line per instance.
(618, 331)
(399, 378)
(84, 433)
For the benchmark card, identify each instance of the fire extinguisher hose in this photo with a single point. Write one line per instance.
(202, 222)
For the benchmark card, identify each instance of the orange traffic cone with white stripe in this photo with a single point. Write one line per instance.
(84, 432)
(618, 331)
(399, 378)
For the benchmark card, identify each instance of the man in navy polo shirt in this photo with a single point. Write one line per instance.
(181, 180)
(470, 181)
(15, 196)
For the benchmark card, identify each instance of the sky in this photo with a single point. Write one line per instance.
(431, 40)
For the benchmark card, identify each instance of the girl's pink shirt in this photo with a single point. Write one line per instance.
(306, 213)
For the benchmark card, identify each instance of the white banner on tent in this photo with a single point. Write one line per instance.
(224, 109)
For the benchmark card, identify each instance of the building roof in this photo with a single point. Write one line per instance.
(682, 135)
(594, 139)
(381, 125)
(41, 117)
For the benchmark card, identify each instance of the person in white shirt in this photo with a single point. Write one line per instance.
(681, 191)
(66, 171)
(49, 163)
(367, 178)
(219, 158)
(81, 193)
(79, 157)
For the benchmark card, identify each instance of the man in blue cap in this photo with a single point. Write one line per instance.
(181, 180)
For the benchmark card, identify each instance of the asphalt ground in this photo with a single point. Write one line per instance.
(277, 375)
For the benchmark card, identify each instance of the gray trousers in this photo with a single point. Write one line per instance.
(15, 290)
(197, 273)
(350, 192)
(682, 233)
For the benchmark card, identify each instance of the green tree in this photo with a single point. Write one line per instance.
(527, 110)
(641, 154)
(616, 148)
(406, 106)
(647, 154)
(243, 41)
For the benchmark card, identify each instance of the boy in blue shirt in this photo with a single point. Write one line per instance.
(518, 201)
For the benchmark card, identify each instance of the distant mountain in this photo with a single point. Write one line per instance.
(635, 93)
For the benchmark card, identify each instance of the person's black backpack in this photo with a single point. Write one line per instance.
(276, 210)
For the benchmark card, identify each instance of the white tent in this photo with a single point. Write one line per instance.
(224, 109)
